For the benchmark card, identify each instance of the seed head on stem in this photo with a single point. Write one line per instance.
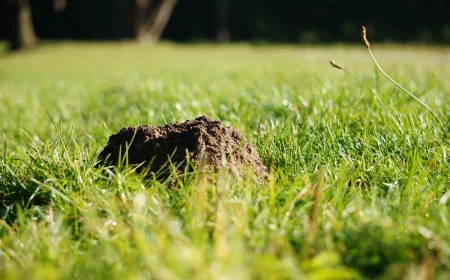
(335, 64)
(364, 37)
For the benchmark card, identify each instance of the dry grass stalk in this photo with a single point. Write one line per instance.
(367, 45)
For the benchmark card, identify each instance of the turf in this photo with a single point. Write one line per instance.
(355, 191)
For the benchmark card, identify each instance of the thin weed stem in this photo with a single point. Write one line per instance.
(366, 43)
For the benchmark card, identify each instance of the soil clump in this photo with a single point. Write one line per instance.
(199, 141)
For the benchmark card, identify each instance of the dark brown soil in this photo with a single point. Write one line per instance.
(199, 140)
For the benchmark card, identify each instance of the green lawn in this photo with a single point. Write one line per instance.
(356, 191)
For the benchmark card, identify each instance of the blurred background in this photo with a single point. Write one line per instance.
(23, 22)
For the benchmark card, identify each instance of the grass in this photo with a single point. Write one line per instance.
(353, 194)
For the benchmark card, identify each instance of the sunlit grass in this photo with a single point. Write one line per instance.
(351, 195)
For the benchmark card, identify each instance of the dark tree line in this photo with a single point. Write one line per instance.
(337, 20)
(144, 20)
(186, 20)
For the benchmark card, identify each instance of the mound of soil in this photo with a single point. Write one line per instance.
(154, 149)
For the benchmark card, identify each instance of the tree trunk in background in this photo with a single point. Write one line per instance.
(21, 31)
(223, 35)
(26, 29)
(150, 17)
(161, 18)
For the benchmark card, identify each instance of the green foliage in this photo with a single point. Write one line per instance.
(351, 195)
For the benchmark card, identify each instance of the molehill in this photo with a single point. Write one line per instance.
(198, 141)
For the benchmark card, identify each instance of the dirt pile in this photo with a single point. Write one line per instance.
(202, 139)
